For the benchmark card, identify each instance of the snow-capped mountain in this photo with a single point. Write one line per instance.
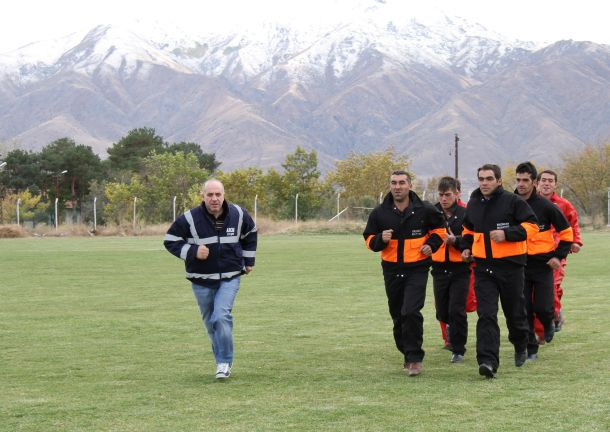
(358, 82)
(259, 51)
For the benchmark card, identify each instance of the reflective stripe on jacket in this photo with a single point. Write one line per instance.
(502, 211)
(230, 249)
(541, 246)
(421, 223)
(451, 253)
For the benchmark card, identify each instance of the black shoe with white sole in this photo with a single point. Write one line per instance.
(487, 371)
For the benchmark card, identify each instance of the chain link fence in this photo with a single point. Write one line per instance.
(93, 214)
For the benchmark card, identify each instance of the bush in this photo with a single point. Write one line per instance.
(12, 231)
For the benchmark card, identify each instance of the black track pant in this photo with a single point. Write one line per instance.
(539, 301)
(450, 293)
(489, 284)
(406, 295)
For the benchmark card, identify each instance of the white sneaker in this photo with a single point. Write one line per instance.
(223, 370)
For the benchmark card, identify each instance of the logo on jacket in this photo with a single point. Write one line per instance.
(230, 231)
(417, 232)
(502, 225)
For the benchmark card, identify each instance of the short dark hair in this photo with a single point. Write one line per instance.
(404, 173)
(548, 171)
(448, 183)
(527, 168)
(491, 167)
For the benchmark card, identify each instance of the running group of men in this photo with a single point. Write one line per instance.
(501, 245)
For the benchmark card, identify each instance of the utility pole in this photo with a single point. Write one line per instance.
(457, 139)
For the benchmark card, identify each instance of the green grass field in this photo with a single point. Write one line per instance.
(103, 334)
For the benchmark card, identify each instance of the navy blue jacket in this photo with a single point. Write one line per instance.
(231, 249)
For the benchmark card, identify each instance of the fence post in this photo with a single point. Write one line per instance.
(338, 206)
(255, 207)
(135, 199)
(296, 209)
(56, 221)
(18, 203)
(174, 206)
(94, 214)
(608, 207)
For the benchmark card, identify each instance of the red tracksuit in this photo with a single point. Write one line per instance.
(571, 215)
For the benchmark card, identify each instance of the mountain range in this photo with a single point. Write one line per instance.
(360, 83)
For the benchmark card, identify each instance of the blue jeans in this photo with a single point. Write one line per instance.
(215, 305)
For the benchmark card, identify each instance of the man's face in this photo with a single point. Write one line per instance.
(547, 184)
(525, 184)
(213, 197)
(399, 187)
(488, 183)
(447, 198)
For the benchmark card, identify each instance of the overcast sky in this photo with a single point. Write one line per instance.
(24, 21)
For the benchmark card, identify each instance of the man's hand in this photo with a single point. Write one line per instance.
(202, 252)
(554, 263)
(426, 250)
(450, 239)
(466, 255)
(248, 269)
(497, 235)
(575, 248)
(386, 235)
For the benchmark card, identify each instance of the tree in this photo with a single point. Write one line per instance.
(301, 176)
(586, 175)
(167, 175)
(81, 164)
(22, 171)
(362, 175)
(119, 198)
(242, 185)
(129, 152)
(277, 200)
(207, 161)
(29, 206)
(430, 192)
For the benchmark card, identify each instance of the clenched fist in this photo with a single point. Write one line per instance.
(386, 235)
(202, 252)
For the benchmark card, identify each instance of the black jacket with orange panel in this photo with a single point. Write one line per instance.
(420, 223)
(502, 211)
(449, 258)
(541, 246)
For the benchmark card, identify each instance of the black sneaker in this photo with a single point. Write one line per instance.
(532, 357)
(520, 358)
(487, 371)
(457, 358)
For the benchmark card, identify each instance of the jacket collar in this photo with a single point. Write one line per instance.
(533, 197)
(452, 209)
(479, 196)
(414, 200)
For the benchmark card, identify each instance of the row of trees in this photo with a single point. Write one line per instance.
(143, 165)
(72, 172)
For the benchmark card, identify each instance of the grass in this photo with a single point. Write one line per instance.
(103, 334)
